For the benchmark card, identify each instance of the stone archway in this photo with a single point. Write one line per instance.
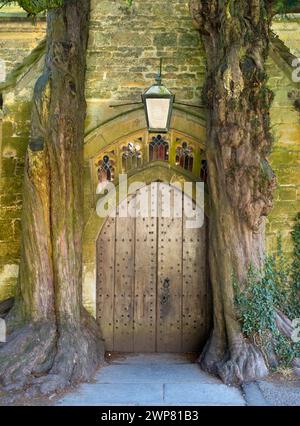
(109, 138)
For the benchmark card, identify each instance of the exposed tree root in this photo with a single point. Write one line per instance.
(38, 360)
(28, 353)
(284, 324)
(243, 362)
(285, 327)
(79, 353)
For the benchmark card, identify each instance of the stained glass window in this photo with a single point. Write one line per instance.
(105, 169)
(131, 157)
(185, 157)
(204, 171)
(158, 149)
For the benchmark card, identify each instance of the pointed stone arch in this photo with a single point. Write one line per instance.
(108, 138)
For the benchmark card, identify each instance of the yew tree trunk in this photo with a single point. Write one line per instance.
(236, 35)
(53, 341)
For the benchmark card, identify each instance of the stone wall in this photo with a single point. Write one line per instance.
(124, 50)
(17, 42)
(285, 158)
(18, 37)
(123, 57)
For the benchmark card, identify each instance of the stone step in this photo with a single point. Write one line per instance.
(202, 393)
(155, 394)
(152, 358)
(153, 373)
(117, 393)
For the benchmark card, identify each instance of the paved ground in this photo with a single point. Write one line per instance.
(280, 393)
(275, 390)
(156, 379)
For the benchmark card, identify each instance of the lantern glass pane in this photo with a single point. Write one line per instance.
(158, 112)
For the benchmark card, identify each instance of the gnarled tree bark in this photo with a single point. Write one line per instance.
(53, 342)
(236, 40)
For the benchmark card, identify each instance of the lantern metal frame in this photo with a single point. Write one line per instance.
(160, 92)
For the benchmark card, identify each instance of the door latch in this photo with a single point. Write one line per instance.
(165, 294)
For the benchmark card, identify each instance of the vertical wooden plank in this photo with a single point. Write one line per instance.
(194, 287)
(169, 278)
(145, 277)
(105, 281)
(124, 283)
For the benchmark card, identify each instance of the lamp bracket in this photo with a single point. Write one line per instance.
(158, 77)
(127, 104)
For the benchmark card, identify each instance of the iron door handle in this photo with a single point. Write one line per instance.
(165, 295)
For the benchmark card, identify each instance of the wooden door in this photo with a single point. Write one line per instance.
(152, 287)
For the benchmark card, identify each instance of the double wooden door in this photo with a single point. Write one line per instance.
(152, 293)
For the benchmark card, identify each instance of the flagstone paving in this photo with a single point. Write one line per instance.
(153, 379)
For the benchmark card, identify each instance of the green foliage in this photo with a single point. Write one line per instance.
(257, 300)
(33, 7)
(296, 260)
(129, 2)
(284, 6)
(285, 350)
(277, 286)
